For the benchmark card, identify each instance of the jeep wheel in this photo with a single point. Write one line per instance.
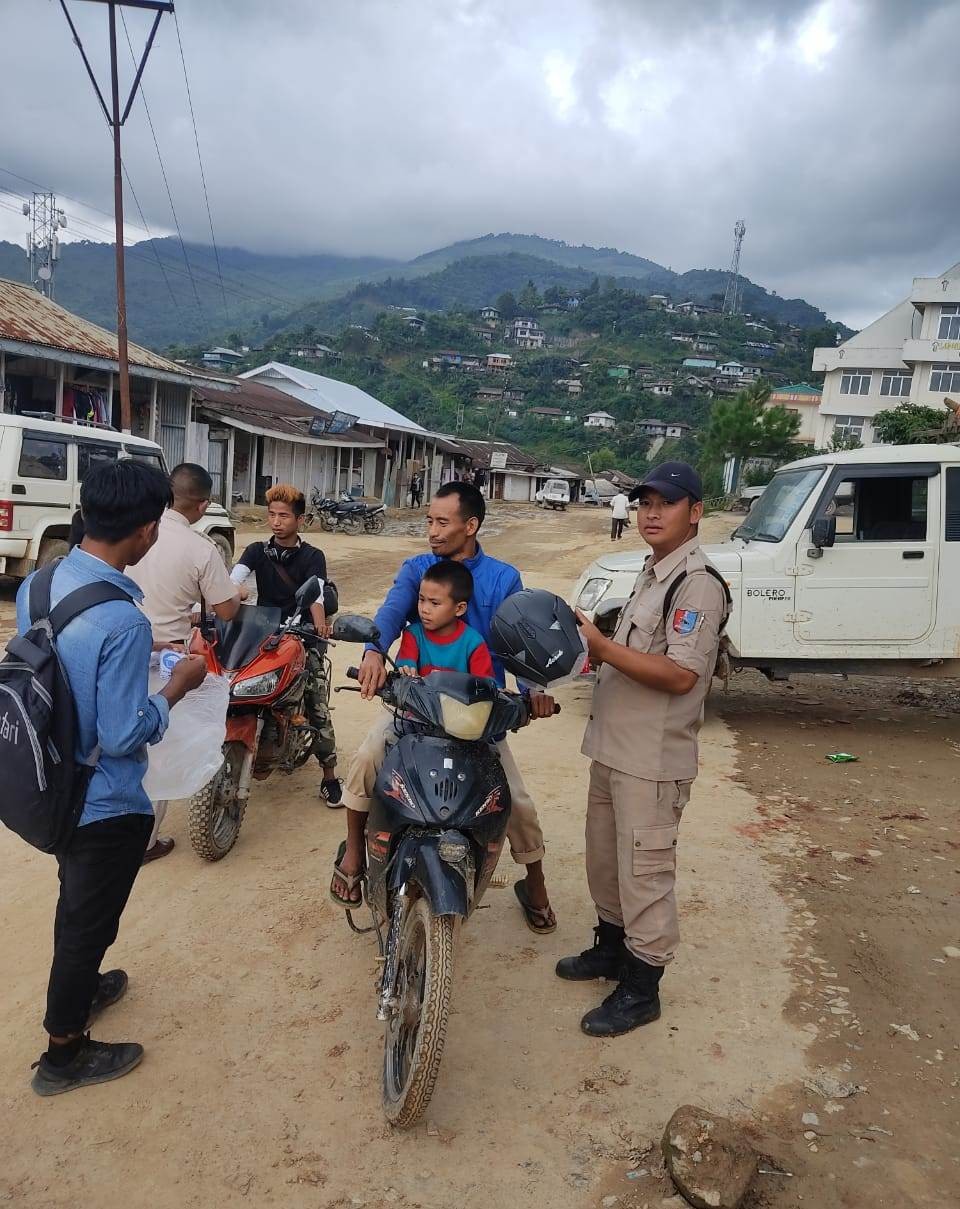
(51, 548)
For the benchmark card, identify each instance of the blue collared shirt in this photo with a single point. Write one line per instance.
(493, 582)
(105, 654)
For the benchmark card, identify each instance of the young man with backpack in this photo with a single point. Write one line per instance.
(103, 644)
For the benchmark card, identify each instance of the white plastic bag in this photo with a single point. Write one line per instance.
(191, 751)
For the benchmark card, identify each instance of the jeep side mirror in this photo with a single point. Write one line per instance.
(351, 627)
(823, 534)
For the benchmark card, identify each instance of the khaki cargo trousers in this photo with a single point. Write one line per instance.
(632, 827)
(523, 831)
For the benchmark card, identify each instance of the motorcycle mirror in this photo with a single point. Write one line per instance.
(351, 627)
(308, 593)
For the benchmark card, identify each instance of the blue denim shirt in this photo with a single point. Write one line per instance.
(493, 582)
(105, 654)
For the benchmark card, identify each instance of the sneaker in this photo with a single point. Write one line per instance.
(113, 986)
(97, 1062)
(332, 792)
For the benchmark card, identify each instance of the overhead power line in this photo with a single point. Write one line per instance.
(203, 179)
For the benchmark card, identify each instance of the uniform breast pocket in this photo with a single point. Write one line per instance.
(654, 850)
(642, 625)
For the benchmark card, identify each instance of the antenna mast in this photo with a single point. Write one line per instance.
(43, 243)
(733, 296)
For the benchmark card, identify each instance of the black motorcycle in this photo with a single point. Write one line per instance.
(346, 514)
(434, 834)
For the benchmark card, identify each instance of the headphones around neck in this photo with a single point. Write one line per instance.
(280, 554)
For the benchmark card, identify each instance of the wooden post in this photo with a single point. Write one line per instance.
(58, 409)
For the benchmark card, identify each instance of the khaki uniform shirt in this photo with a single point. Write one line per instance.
(644, 731)
(176, 571)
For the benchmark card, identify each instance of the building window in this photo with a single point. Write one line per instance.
(949, 321)
(944, 377)
(848, 426)
(855, 382)
(896, 383)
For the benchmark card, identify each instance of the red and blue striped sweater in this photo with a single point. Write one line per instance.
(462, 650)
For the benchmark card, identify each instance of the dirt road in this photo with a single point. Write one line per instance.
(812, 924)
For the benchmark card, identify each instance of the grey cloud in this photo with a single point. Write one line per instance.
(371, 126)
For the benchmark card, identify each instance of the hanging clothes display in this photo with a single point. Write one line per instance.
(86, 404)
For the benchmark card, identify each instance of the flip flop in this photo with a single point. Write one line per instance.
(351, 880)
(538, 919)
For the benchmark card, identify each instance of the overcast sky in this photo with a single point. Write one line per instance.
(374, 126)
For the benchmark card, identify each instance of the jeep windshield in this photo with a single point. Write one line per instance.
(776, 510)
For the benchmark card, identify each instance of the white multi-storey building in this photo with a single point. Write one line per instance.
(909, 355)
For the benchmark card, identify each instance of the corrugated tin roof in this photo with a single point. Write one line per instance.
(329, 394)
(29, 318)
(480, 451)
(264, 407)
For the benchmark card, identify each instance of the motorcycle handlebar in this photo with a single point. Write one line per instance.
(353, 673)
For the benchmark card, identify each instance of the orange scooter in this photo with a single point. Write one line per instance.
(267, 727)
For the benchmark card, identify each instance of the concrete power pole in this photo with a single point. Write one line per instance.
(733, 295)
(43, 243)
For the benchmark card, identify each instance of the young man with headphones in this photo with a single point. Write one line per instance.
(281, 565)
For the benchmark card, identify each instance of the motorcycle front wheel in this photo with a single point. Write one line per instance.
(417, 1028)
(351, 524)
(215, 814)
(374, 524)
(326, 522)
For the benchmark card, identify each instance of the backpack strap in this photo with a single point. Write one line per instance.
(78, 601)
(40, 585)
(674, 588)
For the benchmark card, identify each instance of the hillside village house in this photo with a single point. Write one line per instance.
(663, 388)
(699, 363)
(485, 334)
(406, 447)
(619, 372)
(554, 414)
(490, 314)
(221, 357)
(526, 333)
(573, 386)
(498, 361)
(670, 429)
(734, 369)
(909, 355)
(659, 301)
(802, 401)
(599, 419)
(695, 310)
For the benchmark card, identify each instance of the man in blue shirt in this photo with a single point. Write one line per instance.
(105, 654)
(453, 520)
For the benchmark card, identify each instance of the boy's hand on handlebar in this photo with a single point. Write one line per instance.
(407, 670)
(541, 705)
(373, 675)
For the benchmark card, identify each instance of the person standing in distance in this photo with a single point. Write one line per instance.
(642, 740)
(620, 514)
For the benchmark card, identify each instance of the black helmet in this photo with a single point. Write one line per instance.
(535, 635)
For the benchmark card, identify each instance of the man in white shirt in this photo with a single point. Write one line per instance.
(620, 506)
(182, 567)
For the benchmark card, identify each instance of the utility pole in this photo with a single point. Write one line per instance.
(43, 243)
(115, 121)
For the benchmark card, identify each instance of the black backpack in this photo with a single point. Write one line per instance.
(44, 785)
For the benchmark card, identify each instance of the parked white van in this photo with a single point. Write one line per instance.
(555, 493)
(847, 563)
(42, 464)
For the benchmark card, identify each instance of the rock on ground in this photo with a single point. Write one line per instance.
(708, 1157)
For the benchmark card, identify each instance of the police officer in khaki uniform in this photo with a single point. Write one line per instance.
(642, 741)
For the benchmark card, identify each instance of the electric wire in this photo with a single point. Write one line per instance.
(203, 179)
(163, 171)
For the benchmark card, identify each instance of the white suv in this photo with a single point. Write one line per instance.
(42, 463)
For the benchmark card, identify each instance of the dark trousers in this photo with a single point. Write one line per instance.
(616, 529)
(97, 871)
(316, 704)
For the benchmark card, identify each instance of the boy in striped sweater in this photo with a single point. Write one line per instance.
(441, 641)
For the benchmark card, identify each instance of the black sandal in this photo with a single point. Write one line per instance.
(538, 919)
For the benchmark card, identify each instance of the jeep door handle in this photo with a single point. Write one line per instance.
(912, 554)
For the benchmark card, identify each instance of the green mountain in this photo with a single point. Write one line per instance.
(175, 297)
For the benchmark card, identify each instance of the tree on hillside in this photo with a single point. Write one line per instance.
(911, 424)
(529, 298)
(744, 427)
(507, 306)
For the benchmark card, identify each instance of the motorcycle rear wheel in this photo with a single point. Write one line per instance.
(374, 524)
(215, 814)
(416, 1032)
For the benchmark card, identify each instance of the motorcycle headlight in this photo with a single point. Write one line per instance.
(593, 591)
(466, 722)
(453, 848)
(256, 686)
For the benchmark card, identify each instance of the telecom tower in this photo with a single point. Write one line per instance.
(733, 296)
(43, 243)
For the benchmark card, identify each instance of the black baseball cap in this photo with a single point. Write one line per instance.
(673, 480)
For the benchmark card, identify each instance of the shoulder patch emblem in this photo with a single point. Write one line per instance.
(685, 620)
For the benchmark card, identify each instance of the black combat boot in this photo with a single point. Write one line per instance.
(635, 1000)
(602, 961)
